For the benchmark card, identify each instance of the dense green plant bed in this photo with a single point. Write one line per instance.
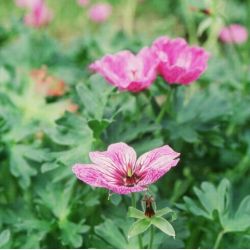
(125, 126)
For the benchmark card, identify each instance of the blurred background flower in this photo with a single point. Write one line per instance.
(38, 13)
(100, 12)
(234, 33)
(83, 2)
(180, 63)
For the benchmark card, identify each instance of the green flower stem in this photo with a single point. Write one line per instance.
(140, 242)
(215, 27)
(151, 237)
(163, 110)
(218, 239)
(133, 203)
(189, 22)
(233, 45)
(237, 53)
(133, 200)
(129, 16)
(168, 104)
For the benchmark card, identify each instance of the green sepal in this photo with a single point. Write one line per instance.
(139, 227)
(135, 213)
(163, 225)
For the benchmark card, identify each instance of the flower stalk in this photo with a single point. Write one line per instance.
(218, 239)
(133, 202)
(151, 238)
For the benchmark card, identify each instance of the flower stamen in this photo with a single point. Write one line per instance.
(131, 178)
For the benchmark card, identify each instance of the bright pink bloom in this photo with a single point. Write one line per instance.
(30, 4)
(128, 71)
(234, 33)
(83, 2)
(39, 16)
(118, 170)
(100, 12)
(180, 63)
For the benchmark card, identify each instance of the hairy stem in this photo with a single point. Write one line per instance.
(151, 238)
(218, 239)
(133, 203)
(133, 200)
(162, 112)
(169, 103)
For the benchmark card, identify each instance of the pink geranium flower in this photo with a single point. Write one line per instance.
(234, 33)
(128, 71)
(39, 15)
(118, 170)
(180, 63)
(100, 12)
(83, 2)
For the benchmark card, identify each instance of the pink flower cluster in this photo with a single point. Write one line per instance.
(118, 170)
(39, 14)
(173, 59)
(234, 33)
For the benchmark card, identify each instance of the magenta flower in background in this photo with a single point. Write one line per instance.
(40, 15)
(179, 63)
(234, 33)
(118, 170)
(100, 12)
(83, 2)
(128, 71)
(30, 4)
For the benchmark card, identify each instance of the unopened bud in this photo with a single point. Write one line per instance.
(149, 210)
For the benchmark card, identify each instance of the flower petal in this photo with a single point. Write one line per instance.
(190, 76)
(92, 175)
(153, 164)
(153, 175)
(117, 158)
(171, 74)
(125, 190)
(112, 67)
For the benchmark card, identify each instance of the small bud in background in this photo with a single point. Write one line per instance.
(29, 4)
(39, 16)
(205, 11)
(46, 84)
(234, 33)
(99, 13)
(72, 107)
(83, 3)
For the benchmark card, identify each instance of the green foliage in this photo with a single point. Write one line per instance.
(112, 233)
(139, 227)
(43, 205)
(216, 203)
(4, 237)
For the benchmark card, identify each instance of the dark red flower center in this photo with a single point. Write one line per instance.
(130, 181)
